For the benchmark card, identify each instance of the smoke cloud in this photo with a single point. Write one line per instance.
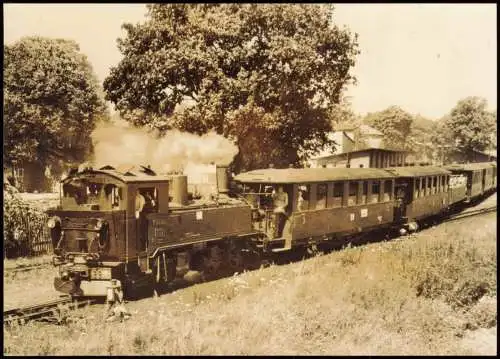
(120, 144)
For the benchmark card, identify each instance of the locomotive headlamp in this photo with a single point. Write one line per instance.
(65, 275)
(51, 223)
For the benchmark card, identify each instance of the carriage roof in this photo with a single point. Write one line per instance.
(417, 171)
(471, 167)
(304, 175)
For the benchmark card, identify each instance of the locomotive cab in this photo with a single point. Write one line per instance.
(99, 230)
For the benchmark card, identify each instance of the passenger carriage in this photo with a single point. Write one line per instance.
(421, 192)
(323, 203)
(481, 178)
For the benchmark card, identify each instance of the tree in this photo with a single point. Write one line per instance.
(469, 127)
(284, 66)
(419, 140)
(395, 124)
(52, 101)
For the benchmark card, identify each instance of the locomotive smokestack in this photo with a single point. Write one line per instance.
(222, 175)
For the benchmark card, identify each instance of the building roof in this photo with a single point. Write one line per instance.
(364, 129)
(491, 153)
(368, 130)
(304, 175)
(367, 149)
(417, 171)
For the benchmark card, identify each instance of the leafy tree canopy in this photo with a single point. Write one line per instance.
(470, 125)
(265, 75)
(52, 101)
(395, 124)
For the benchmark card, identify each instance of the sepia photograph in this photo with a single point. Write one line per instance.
(249, 179)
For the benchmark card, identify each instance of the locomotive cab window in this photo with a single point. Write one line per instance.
(113, 196)
(150, 196)
(84, 194)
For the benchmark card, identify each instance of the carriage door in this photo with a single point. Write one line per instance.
(401, 200)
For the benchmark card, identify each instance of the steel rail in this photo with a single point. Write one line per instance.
(49, 310)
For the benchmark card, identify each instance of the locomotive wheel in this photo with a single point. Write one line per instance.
(212, 262)
(235, 259)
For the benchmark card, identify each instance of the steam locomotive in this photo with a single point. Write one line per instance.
(134, 229)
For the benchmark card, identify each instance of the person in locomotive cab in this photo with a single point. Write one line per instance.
(140, 201)
(280, 202)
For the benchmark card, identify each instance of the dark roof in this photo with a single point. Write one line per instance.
(470, 166)
(365, 149)
(417, 171)
(303, 175)
(132, 175)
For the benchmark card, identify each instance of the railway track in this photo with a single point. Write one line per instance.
(55, 311)
(27, 268)
(472, 213)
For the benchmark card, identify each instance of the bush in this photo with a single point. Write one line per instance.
(22, 224)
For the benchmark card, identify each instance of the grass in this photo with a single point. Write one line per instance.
(421, 295)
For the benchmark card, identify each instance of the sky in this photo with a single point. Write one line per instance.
(421, 57)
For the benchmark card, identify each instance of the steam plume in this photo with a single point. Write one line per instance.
(120, 144)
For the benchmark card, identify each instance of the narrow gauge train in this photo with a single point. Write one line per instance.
(135, 228)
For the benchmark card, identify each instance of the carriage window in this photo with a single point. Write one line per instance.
(365, 192)
(388, 190)
(338, 193)
(353, 193)
(375, 191)
(443, 181)
(321, 192)
(303, 198)
(429, 185)
(434, 184)
(417, 187)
